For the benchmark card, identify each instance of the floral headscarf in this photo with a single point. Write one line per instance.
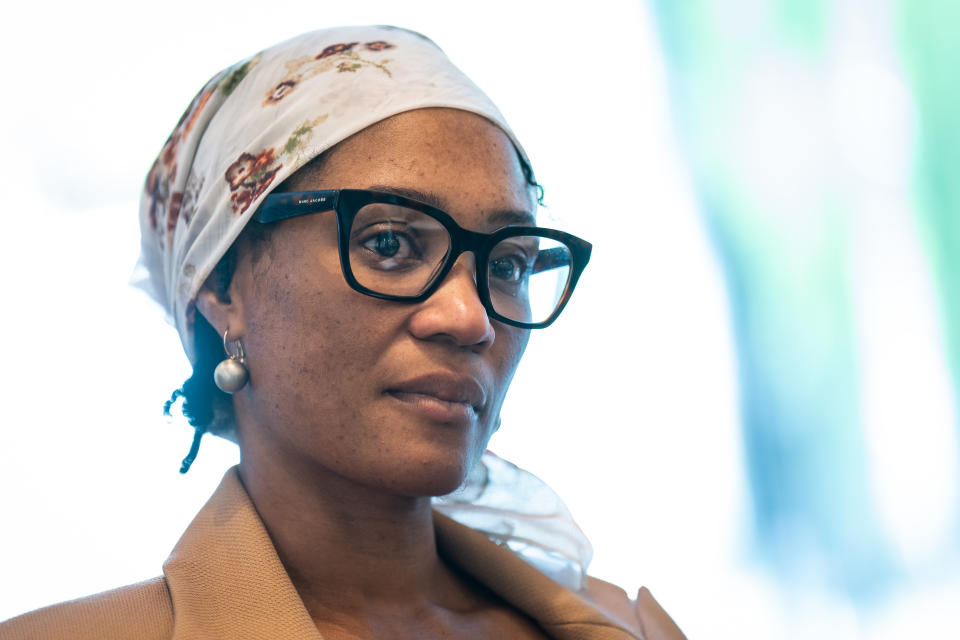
(256, 123)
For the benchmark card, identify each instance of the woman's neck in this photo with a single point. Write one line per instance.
(350, 549)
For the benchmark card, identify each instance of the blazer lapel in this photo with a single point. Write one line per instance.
(562, 613)
(226, 580)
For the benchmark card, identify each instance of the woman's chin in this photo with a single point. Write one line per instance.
(428, 477)
(431, 482)
(433, 467)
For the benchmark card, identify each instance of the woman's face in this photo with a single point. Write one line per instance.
(395, 395)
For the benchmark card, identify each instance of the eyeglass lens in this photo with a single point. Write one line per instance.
(399, 251)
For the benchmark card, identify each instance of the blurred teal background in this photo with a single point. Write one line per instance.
(823, 140)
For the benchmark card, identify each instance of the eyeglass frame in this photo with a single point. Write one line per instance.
(347, 203)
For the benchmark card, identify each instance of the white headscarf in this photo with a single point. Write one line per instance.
(256, 123)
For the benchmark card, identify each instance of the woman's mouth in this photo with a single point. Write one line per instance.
(441, 397)
(436, 409)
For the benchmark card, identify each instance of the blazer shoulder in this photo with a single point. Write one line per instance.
(644, 616)
(141, 611)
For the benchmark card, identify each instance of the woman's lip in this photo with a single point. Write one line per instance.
(442, 396)
(434, 408)
(445, 386)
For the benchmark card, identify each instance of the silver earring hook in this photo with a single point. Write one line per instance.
(239, 356)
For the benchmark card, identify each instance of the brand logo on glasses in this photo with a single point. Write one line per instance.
(311, 200)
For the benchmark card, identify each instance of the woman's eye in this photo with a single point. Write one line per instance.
(508, 269)
(387, 244)
(389, 248)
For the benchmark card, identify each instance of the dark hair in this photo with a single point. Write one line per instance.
(530, 178)
(203, 404)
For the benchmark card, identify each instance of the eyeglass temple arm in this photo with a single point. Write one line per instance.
(552, 259)
(280, 206)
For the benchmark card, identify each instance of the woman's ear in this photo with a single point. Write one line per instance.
(223, 311)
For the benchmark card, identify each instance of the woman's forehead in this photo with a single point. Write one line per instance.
(444, 157)
(425, 138)
(497, 217)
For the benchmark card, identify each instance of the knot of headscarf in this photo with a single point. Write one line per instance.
(257, 122)
(519, 511)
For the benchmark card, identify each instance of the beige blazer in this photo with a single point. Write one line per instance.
(224, 580)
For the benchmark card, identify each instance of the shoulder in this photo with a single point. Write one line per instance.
(643, 615)
(141, 611)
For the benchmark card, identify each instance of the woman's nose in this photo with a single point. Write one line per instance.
(454, 311)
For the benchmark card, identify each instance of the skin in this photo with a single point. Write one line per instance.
(339, 469)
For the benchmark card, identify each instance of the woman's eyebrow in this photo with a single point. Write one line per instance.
(426, 197)
(509, 216)
(504, 217)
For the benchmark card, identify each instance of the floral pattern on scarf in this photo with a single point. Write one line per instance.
(341, 57)
(165, 203)
(250, 174)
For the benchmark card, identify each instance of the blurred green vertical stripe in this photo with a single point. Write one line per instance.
(785, 251)
(802, 23)
(930, 41)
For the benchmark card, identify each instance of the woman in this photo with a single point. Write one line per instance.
(342, 228)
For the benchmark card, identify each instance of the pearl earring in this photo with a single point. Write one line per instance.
(231, 374)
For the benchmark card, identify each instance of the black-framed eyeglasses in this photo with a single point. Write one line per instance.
(395, 248)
